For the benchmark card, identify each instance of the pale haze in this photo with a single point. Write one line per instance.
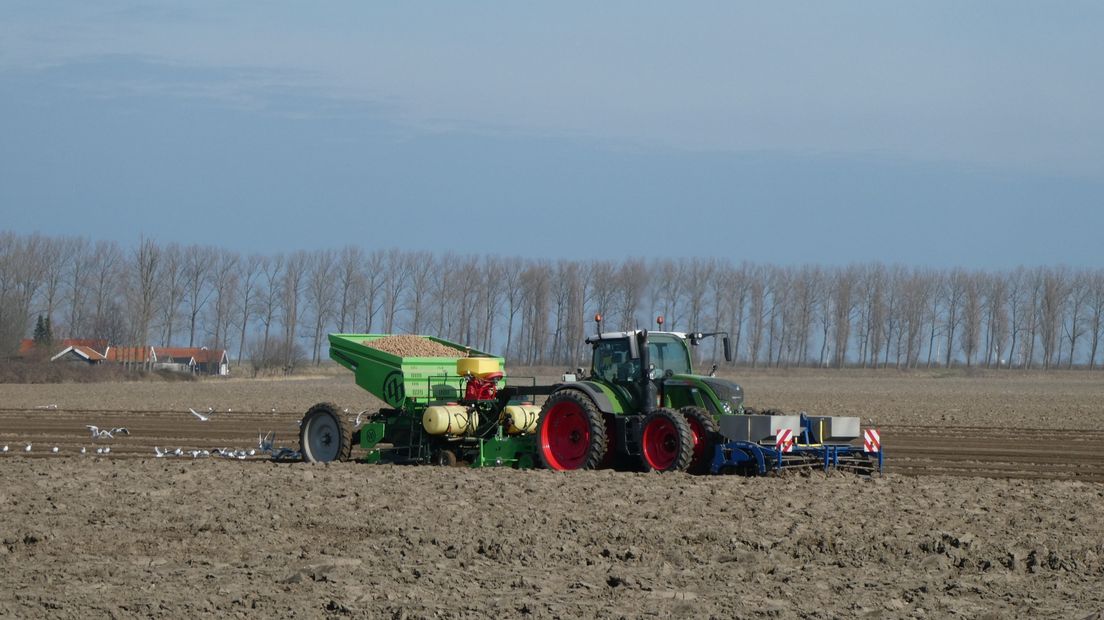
(922, 133)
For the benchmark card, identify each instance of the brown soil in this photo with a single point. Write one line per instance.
(405, 345)
(130, 535)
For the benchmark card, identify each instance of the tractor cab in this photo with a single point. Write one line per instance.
(618, 355)
(637, 364)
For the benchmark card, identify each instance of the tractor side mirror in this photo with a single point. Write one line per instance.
(727, 349)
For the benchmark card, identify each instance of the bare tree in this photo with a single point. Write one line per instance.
(198, 263)
(107, 320)
(172, 290)
(1077, 296)
(952, 293)
(1096, 315)
(535, 281)
(490, 299)
(421, 266)
(843, 305)
(971, 316)
(55, 259)
(291, 292)
(758, 311)
(996, 321)
(249, 273)
(513, 289)
(76, 287)
(1054, 291)
(224, 287)
(396, 272)
(350, 279)
(321, 296)
(273, 272)
(631, 283)
(142, 288)
(375, 277)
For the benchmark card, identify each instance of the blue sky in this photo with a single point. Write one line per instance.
(923, 133)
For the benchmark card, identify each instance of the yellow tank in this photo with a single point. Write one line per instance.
(523, 418)
(449, 420)
(477, 366)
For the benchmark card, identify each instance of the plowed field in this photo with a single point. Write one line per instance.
(990, 507)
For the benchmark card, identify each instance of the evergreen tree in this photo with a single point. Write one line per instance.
(43, 333)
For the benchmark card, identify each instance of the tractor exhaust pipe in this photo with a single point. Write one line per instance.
(649, 389)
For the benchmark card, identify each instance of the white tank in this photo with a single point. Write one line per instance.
(449, 420)
(523, 418)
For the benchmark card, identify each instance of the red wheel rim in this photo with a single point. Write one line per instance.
(697, 431)
(565, 436)
(660, 443)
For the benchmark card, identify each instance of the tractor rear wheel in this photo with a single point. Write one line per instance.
(704, 430)
(666, 442)
(571, 432)
(324, 435)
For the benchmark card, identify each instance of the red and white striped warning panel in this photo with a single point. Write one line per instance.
(872, 441)
(784, 440)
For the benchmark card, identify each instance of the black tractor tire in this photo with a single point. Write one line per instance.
(666, 441)
(571, 432)
(445, 458)
(703, 428)
(324, 435)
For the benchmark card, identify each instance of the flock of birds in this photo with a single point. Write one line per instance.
(265, 443)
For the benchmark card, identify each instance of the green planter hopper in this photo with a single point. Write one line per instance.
(403, 382)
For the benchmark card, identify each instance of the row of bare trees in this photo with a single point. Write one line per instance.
(279, 308)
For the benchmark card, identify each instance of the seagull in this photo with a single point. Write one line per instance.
(83, 450)
(46, 407)
(4, 449)
(107, 450)
(122, 430)
(98, 433)
(178, 452)
(54, 450)
(28, 448)
(99, 450)
(202, 418)
(157, 453)
(265, 442)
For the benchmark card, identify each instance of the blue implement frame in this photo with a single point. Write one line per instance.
(758, 458)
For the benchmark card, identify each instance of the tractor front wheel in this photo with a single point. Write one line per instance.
(704, 430)
(666, 441)
(571, 432)
(324, 435)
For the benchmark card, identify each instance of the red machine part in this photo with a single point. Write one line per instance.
(482, 388)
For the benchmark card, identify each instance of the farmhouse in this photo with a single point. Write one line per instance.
(200, 360)
(79, 354)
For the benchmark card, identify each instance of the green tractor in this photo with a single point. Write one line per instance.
(641, 407)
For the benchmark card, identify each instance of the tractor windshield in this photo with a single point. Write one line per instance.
(668, 352)
(613, 361)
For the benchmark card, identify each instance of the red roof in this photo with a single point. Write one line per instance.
(87, 353)
(98, 344)
(92, 354)
(130, 354)
(201, 355)
(27, 345)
